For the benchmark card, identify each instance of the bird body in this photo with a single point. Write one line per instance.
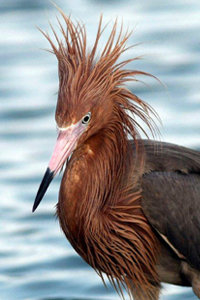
(128, 206)
(161, 191)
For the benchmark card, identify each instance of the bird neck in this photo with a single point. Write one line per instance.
(92, 179)
(99, 209)
(100, 171)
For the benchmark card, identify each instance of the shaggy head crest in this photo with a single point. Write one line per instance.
(87, 78)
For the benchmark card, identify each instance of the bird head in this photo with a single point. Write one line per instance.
(91, 92)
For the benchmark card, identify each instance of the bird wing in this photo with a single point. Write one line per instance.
(171, 196)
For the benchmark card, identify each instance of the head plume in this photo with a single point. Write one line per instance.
(87, 77)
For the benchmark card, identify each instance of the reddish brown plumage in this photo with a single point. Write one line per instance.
(99, 205)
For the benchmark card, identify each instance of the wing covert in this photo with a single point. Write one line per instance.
(171, 202)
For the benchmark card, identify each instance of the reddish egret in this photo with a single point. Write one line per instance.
(129, 207)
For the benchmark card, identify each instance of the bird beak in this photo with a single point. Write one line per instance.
(65, 144)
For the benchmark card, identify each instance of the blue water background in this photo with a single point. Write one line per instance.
(36, 261)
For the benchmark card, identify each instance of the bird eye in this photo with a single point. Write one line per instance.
(86, 118)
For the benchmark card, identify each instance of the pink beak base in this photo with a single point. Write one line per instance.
(65, 144)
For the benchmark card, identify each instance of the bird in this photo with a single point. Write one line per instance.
(129, 205)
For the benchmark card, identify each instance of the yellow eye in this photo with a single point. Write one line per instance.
(86, 118)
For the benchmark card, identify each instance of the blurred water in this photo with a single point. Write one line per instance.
(36, 260)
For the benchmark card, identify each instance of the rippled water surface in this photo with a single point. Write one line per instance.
(36, 260)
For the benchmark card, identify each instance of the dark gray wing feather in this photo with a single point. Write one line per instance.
(171, 196)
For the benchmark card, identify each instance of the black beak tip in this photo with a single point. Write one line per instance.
(35, 205)
(48, 177)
